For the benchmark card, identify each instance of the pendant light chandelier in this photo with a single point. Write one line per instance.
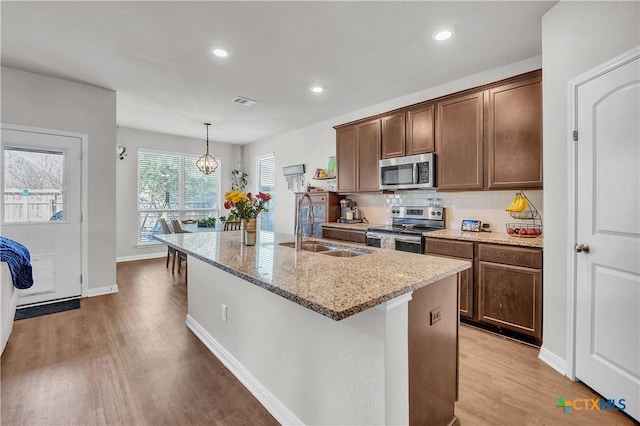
(207, 164)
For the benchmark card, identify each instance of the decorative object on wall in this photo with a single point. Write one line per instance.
(121, 150)
(295, 177)
(238, 180)
(207, 164)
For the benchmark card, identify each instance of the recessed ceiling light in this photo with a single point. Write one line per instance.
(442, 35)
(316, 89)
(220, 52)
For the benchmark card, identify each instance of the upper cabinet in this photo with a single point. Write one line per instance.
(420, 130)
(408, 132)
(514, 135)
(459, 142)
(489, 138)
(358, 152)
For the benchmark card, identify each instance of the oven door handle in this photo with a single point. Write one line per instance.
(409, 240)
(374, 236)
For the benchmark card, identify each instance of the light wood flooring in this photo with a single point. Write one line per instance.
(128, 359)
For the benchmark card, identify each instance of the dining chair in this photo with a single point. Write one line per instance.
(177, 229)
(166, 230)
(232, 225)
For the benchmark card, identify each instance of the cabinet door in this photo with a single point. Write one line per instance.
(393, 135)
(510, 297)
(346, 139)
(368, 154)
(420, 130)
(459, 133)
(514, 135)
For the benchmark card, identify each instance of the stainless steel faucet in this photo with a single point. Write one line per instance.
(298, 224)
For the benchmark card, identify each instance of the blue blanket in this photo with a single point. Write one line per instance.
(19, 260)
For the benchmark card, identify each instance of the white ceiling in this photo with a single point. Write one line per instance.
(156, 55)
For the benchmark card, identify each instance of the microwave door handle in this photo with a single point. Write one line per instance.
(416, 170)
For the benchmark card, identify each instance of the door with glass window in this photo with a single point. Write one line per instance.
(41, 179)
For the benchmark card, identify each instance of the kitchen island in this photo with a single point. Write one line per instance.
(299, 331)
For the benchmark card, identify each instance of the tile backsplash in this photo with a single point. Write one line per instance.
(487, 206)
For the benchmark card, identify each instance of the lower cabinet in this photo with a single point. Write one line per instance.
(457, 250)
(344, 234)
(510, 288)
(503, 290)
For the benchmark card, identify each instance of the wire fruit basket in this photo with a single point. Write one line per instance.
(530, 229)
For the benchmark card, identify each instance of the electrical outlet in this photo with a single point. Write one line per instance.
(435, 316)
(223, 312)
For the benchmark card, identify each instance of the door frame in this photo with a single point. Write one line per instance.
(84, 190)
(572, 171)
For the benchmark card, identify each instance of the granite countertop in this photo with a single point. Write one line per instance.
(486, 237)
(332, 286)
(354, 226)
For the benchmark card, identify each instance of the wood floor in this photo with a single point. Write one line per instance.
(128, 359)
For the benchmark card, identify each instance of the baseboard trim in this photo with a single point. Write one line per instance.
(553, 360)
(100, 291)
(273, 405)
(140, 257)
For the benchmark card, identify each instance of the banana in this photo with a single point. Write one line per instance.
(519, 204)
(511, 206)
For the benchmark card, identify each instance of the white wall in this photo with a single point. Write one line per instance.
(127, 179)
(40, 101)
(314, 144)
(576, 36)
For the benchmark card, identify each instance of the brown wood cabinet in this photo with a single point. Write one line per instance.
(503, 290)
(457, 250)
(510, 288)
(485, 138)
(358, 152)
(346, 153)
(459, 142)
(420, 130)
(514, 135)
(408, 132)
(326, 208)
(344, 234)
(393, 135)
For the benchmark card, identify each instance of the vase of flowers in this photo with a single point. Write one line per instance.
(246, 207)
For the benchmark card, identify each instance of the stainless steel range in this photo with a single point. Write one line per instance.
(407, 228)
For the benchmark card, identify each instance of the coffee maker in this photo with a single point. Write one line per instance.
(349, 212)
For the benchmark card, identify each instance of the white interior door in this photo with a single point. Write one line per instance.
(607, 352)
(41, 204)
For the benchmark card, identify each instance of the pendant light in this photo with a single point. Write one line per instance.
(207, 164)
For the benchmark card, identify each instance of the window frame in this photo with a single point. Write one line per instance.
(180, 210)
(259, 158)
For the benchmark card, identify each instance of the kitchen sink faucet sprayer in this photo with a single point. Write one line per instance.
(298, 224)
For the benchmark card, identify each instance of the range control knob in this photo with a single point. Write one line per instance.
(439, 213)
(433, 213)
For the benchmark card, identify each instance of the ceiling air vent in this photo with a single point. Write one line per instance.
(243, 101)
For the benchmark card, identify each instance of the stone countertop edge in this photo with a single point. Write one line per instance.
(315, 306)
(486, 237)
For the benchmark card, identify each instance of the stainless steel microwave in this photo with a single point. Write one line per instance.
(410, 172)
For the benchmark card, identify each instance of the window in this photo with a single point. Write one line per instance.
(171, 187)
(33, 185)
(266, 166)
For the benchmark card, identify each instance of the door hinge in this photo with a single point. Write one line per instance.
(575, 135)
(81, 217)
(80, 278)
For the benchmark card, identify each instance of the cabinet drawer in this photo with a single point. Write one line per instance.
(345, 235)
(518, 256)
(318, 198)
(449, 248)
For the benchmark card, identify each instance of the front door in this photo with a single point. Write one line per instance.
(41, 179)
(607, 351)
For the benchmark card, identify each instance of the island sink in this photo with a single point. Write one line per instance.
(327, 249)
